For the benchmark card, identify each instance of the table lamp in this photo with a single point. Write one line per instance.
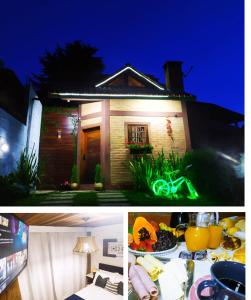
(86, 244)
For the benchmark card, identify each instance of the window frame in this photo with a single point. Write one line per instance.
(137, 124)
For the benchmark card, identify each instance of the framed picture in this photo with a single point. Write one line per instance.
(112, 248)
(115, 248)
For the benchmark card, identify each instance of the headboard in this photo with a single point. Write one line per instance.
(111, 268)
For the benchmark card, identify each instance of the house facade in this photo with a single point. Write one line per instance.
(127, 108)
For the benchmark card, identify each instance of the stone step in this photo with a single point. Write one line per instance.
(112, 197)
(117, 204)
(52, 202)
(61, 195)
(110, 194)
(113, 200)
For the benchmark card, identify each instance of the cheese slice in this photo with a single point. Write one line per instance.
(155, 262)
(178, 269)
(169, 286)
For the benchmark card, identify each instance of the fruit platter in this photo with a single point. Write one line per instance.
(151, 238)
(161, 265)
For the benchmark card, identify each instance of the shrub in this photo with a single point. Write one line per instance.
(98, 174)
(142, 172)
(74, 174)
(210, 174)
(27, 173)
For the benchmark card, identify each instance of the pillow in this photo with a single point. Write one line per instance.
(116, 278)
(120, 288)
(99, 273)
(112, 287)
(113, 277)
(101, 282)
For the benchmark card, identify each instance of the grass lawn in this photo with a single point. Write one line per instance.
(135, 198)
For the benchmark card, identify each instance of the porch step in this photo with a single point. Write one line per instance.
(61, 198)
(112, 199)
(57, 202)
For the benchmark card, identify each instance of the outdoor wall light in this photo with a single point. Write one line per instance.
(59, 134)
(4, 146)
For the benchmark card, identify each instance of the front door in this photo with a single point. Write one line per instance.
(91, 154)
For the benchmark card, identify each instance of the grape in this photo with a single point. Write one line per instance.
(166, 240)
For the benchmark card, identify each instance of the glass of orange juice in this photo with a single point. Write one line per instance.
(215, 236)
(197, 238)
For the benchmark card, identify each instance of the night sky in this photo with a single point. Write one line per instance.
(207, 35)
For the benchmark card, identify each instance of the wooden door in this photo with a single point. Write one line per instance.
(91, 154)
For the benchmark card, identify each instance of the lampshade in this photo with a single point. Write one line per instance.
(85, 244)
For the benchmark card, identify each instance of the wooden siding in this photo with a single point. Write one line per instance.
(56, 155)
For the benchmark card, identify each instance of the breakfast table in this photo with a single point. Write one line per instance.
(201, 267)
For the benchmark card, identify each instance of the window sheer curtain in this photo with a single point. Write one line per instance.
(53, 271)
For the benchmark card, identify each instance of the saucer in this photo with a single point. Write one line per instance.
(193, 289)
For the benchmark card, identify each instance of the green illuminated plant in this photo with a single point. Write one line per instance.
(98, 173)
(27, 172)
(140, 148)
(142, 172)
(74, 174)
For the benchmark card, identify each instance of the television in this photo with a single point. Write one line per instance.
(13, 248)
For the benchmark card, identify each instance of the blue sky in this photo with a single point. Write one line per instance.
(208, 35)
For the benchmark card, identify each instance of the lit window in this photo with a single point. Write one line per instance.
(137, 134)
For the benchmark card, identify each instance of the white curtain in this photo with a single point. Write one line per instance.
(53, 271)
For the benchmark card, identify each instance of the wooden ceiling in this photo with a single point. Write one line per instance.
(70, 219)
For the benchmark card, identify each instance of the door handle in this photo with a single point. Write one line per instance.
(84, 157)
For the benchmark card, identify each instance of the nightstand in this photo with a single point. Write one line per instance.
(90, 277)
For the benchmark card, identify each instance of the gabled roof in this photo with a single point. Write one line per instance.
(132, 69)
(126, 83)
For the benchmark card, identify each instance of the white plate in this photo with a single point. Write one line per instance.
(240, 234)
(155, 253)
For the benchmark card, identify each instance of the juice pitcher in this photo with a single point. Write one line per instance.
(197, 234)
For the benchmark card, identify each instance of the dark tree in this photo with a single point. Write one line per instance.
(70, 67)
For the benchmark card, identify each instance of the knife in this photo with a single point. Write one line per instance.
(190, 274)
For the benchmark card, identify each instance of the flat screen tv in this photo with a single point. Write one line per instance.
(13, 248)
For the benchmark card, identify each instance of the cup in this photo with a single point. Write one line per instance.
(227, 283)
(215, 236)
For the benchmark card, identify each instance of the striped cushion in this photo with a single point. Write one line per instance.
(112, 287)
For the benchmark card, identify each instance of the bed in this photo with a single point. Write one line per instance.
(94, 292)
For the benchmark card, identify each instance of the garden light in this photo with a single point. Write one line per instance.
(4, 146)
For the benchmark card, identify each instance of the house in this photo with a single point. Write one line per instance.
(127, 107)
(97, 124)
(20, 120)
(56, 255)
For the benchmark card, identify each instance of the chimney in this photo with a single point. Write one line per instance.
(174, 76)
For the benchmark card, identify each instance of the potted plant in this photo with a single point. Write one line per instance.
(98, 185)
(140, 148)
(74, 177)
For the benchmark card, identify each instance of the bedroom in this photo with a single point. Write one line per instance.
(61, 256)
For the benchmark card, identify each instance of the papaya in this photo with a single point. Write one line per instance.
(143, 230)
(130, 239)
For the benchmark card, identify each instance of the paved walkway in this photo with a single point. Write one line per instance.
(113, 198)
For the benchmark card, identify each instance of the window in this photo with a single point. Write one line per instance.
(137, 134)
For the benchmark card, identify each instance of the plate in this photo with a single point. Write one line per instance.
(155, 253)
(240, 234)
(193, 290)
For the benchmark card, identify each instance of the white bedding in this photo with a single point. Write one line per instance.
(93, 292)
